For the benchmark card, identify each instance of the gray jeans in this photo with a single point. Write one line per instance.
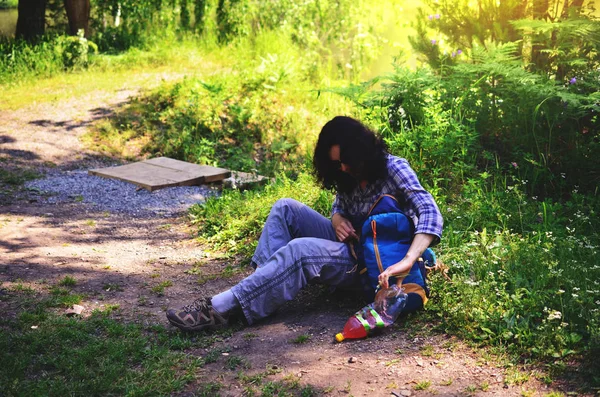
(297, 246)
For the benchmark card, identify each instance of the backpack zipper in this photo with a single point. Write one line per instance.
(374, 229)
(399, 276)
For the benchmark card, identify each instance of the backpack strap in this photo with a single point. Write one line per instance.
(415, 289)
(377, 202)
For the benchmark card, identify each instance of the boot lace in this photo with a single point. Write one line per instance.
(198, 305)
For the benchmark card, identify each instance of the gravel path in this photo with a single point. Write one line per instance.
(116, 196)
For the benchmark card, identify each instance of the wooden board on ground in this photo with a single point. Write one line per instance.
(163, 172)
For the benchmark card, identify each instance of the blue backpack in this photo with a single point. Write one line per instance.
(385, 238)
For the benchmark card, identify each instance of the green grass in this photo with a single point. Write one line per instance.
(301, 339)
(17, 177)
(68, 281)
(423, 385)
(233, 362)
(258, 385)
(159, 289)
(93, 356)
(44, 352)
(107, 73)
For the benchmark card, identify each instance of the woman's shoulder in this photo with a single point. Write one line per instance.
(396, 162)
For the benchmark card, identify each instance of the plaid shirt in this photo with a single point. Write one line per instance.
(401, 183)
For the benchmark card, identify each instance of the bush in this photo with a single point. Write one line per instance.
(19, 60)
(524, 272)
(493, 114)
(75, 50)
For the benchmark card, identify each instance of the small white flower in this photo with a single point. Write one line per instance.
(555, 315)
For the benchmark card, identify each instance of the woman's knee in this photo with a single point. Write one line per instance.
(286, 208)
(285, 203)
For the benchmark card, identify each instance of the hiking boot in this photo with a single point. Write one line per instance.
(197, 316)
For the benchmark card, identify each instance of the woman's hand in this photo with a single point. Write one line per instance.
(396, 269)
(343, 228)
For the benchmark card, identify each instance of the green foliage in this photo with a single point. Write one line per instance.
(20, 59)
(333, 36)
(409, 111)
(562, 48)
(74, 50)
(524, 271)
(260, 119)
(423, 385)
(159, 289)
(328, 31)
(6, 4)
(200, 9)
(132, 23)
(232, 19)
(209, 123)
(288, 386)
(184, 14)
(548, 129)
(527, 86)
(233, 362)
(560, 39)
(210, 389)
(491, 113)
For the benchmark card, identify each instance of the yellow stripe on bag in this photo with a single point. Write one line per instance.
(416, 289)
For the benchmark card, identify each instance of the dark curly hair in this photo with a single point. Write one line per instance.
(360, 148)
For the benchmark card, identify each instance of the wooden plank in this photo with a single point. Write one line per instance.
(163, 172)
(210, 174)
(149, 176)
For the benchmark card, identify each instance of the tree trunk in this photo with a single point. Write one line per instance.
(78, 13)
(199, 12)
(31, 22)
(540, 11)
(184, 14)
(576, 4)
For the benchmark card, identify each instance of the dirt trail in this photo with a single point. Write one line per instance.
(118, 259)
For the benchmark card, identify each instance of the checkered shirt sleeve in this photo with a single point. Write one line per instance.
(339, 206)
(418, 200)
